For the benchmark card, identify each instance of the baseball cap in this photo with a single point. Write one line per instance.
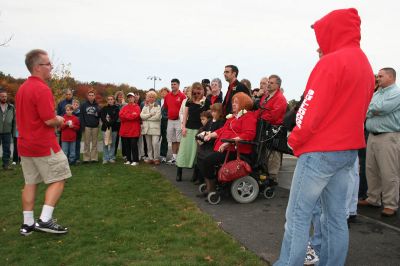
(130, 94)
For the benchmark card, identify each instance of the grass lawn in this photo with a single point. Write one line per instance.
(117, 215)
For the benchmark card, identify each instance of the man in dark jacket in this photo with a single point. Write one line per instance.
(90, 122)
(231, 73)
(68, 100)
(109, 117)
(7, 127)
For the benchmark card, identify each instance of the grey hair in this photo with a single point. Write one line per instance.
(278, 79)
(218, 81)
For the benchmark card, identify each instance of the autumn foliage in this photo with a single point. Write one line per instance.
(61, 80)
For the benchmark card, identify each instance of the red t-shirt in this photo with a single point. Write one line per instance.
(35, 105)
(68, 134)
(172, 102)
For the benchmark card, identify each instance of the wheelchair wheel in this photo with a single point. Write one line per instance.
(214, 198)
(245, 189)
(202, 188)
(269, 193)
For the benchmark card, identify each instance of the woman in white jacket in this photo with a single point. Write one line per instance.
(151, 129)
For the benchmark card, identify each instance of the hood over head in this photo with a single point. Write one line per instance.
(338, 29)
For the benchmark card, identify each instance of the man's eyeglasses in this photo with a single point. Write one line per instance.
(47, 64)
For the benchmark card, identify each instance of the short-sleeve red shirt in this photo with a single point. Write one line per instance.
(173, 102)
(35, 105)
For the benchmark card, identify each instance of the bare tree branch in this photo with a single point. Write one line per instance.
(6, 41)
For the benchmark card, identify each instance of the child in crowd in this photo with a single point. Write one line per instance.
(109, 116)
(78, 114)
(68, 133)
(211, 120)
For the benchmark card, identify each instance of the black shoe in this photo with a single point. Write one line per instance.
(26, 230)
(7, 168)
(352, 219)
(178, 178)
(50, 227)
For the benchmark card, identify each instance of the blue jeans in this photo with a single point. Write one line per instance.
(109, 150)
(316, 238)
(69, 150)
(5, 141)
(352, 192)
(318, 175)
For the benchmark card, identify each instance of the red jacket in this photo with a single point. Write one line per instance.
(243, 127)
(274, 109)
(68, 134)
(338, 91)
(130, 121)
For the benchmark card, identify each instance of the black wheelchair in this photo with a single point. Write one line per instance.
(247, 188)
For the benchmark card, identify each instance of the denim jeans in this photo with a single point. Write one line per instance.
(69, 150)
(109, 150)
(316, 238)
(324, 176)
(5, 141)
(352, 192)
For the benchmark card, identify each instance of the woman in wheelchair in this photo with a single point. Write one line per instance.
(240, 125)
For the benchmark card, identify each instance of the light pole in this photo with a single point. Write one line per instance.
(154, 78)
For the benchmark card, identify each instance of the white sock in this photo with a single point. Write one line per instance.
(174, 156)
(28, 218)
(47, 213)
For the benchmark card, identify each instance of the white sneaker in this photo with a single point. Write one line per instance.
(112, 161)
(171, 162)
(127, 162)
(163, 159)
(134, 163)
(311, 256)
(14, 163)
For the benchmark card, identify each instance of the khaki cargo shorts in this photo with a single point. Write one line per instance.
(174, 130)
(47, 169)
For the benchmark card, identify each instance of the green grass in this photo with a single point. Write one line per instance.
(117, 215)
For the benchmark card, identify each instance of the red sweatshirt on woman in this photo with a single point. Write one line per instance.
(130, 121)
(338, 90)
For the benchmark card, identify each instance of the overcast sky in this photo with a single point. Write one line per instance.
(124, 41)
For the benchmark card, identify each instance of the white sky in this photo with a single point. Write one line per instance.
(124, 41)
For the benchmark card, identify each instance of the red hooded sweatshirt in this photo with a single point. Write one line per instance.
(338, 90)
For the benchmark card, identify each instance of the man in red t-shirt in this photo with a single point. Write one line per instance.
(172, 103)
(42, 159)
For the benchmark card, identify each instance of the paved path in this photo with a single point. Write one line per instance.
(259, 226)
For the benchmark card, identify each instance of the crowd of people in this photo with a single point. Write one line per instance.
(334, 172)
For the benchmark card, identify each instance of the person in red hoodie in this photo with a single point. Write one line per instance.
(272, 108)
(69, 131)
(130, 129)
(329, 131)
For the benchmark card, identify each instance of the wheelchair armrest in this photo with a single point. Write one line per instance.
(232, 141)
(228, 141)
(247, 142)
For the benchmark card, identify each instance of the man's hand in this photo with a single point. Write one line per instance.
(55, 122)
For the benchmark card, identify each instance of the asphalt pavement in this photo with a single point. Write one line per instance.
(259, 226)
